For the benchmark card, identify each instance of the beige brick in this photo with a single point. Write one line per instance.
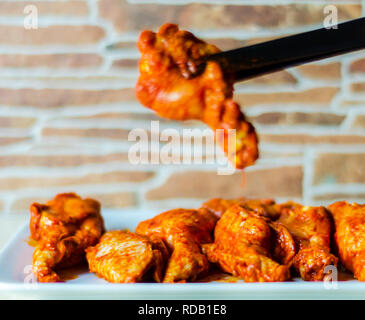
(357, 66)
(51, 98)
(54, 161)
(14, 183)
(52, 35)
(317, 96)
(312, 139)
(115, 200)
(358, 87)
(122, 45)
(121, 116)
(339, 168)
(16, 122)
(295, 118)
(77, 79)
(329, 71)
(340, 197)
(275, 182)
(277, 78)
(359, 121)
(72, 60)
(279, 154)
(352, 103)
(233, 43)
(129, 17)
(226, 43)
(69, 8)
(256, 40)
(118, 134)
(5, 141)
(125, 64)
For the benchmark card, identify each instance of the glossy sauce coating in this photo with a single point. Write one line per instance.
(311, 230)
(123, 256)
(167, 58)
(64, 227)
(242, 247)
(183, 231)
(350, 236)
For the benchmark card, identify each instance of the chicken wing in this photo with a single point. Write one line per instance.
(283, 247)
(122, 256)
(263, 207)
(64, 227)
(311, 229)
(167, 58)
(350, 236)
(183, 231)
(242, 246)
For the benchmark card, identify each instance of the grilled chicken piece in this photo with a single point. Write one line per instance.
(64, 227)
(243, 246)
(183, 231)
(167, 58)
(350, 236)
(283, 247)
(311, 229)
(123, 256)
(263, 207)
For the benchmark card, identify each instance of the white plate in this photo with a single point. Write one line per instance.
(15, 274)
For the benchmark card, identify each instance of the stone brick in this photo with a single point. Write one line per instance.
(58, 8)
(115, 200)
(340, 197)
(357, 66)
(135, 17)
(54, 161)
(51, 35)
(317, 96)
(233, 43)
(122, 45)
(87, 78)
(125, 63)
(12, 183)
(277, 78)
(279, 154)
(16, 122)
(296, 138)
(226, 43)
(51, 98)
(70, 60)
(274, 182)
(358, 87)
(329, 71)
(121, 116)
(359, 121)
(5, 141)
(332, 168)
(295, 118)
(352, 104)
(92, 133)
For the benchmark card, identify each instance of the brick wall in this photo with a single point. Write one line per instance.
(67, 104)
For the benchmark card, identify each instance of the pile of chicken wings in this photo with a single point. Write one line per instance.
(253, 240)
